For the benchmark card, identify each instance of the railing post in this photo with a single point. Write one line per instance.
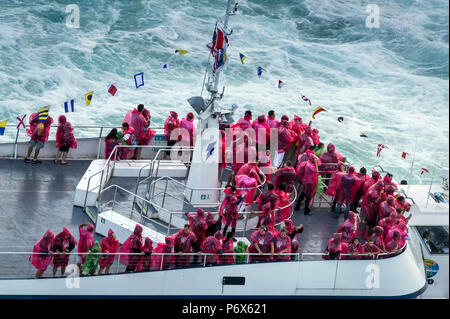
(15, 143)
(162, 261)
(204, 261)
(99, 142)
(118, 264)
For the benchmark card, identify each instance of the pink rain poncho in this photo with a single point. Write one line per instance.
(129, 138)
(188, 124)
(249, 184)
(309, 177)
(387, 180)
(371, 181)
(267, 219)
(145, 262)
(349, 228)
(386, 207)
(39, 131)
(63, 242)
(227, 247)
(171, 124)
(285, 175)
(388, 222)
(246, 168)
(133, 245)
(367, 248)
(199, 225)
(229, 209)
(335, 243)
(285, 137)
(64, 135)
(263, 242)
(269, 196)
(370, 202)
(395, 243)
(348, 186)
(210, 218)
(264, 165)
(294, 241)
(262, 130)
(281, 243)
(354, 248)
(283, 201)
(330, 159)
(43, 245)
(157, 261)
(335, 184)
(147, 132)
(183, 243)
(401, 228)
(377, 236)
(86, 240)
(315, 136)
(305, 139)
(212, 245)
(297, 126)
(243, 123)
(272, 122)
(137, 121)
(244, 154)
(110, 245)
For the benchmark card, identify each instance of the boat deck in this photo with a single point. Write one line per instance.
(40, 197)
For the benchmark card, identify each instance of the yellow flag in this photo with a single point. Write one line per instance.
(181, 52)
(88, 97)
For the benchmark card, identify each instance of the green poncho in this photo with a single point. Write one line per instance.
(241, 247)
(319, 151)
(92, 260)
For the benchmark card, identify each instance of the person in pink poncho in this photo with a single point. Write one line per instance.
(213, 247)
(359, 192)
(308, 175)
(334, 247)
(395, 244)
(268, 196)
(315, 137)
(198, 225)
(284, 210)
(388, 222)
(184, 241)
(145, 262)
(171, 131)
(267, 218)
(85, 242)
(246, 185)
(44, 247)
(370, 249)
(371, 181)
(111, 141)
(133, 245)
(63, 244)
(244, 153)
(137, 121)
(38, 132)
(370, 205)
(305, 141)
(347, 189)
(285, 174)
(334, 184)
(400, 226)
(128, 139)
(229, 208)
(64, 139)
(227, 247)
(271, 120)
(286, 137)
(281, 244)
(265, 165)
(349, 228)
(297, 125)
(329, 161)
(161, 262)
(262, 132)
(110, 245)
(261, 243)
(147, 132)
(355, 249)
(387, 180)
(245, 122)
(386, 208)
(292, 232)
(246, 168)
(188, 125)
(378, 238)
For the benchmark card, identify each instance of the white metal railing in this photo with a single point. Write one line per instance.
(21, 268)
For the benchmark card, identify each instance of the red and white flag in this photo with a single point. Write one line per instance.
(21, 121)
(304, 98)
(280, 84)
(423, 169)
(405, 155)
(218, 47)
(380, 148)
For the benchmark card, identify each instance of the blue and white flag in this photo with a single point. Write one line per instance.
(68, 108)
(260, 71)
(139, 79)
(165, 67)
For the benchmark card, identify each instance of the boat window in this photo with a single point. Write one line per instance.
(435, 238)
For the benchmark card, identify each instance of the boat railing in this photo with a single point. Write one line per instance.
(20, 131)
(17, 264)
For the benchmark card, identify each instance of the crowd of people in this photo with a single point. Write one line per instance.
(300, 156)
